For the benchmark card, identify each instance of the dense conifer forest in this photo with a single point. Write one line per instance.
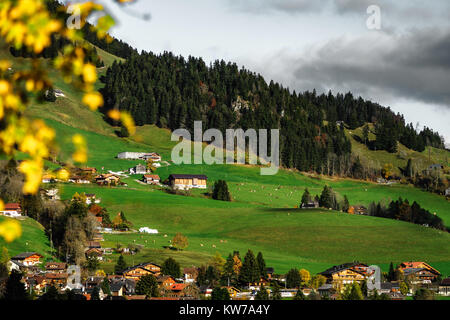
(172, 92)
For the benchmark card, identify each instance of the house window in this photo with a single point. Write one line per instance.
(194, 181)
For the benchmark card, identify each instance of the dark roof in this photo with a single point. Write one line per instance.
(386, 286)
(116, 286)
(24, 255)
(270, 270)
(188, 176)
(141, 265)
(409, 271)
(339, 268)
(326, 286)
(445, 282)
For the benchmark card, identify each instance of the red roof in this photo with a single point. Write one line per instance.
(12, 206)
(413, 264)
(152, 176)
(177, 286)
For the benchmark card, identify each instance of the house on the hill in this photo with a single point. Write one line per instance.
(182, 290)
(190, 274)
(310, 205)
(358, 209)
(89, 170)
(55, 267)
(444, 287)
(79, 180)
(419, 272)
(28, 258)
(107, 179)
(139, 156)
(56, 279)
(12, 210)
(46, 178)
(165, 281)
(136, 272)
(138, 169)
(187, 181)
(340, 276)
(92, 198)
(151, 179)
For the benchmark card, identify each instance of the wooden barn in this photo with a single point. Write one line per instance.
(187, 181)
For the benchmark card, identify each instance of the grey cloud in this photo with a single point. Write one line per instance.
(414, 66)
(286, 6)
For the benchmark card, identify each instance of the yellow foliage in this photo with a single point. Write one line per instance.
(10, 230)
(93, 100)
(28, 24)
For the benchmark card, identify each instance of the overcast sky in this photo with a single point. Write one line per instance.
(322, 44)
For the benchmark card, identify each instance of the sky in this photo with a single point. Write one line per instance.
(403, 62)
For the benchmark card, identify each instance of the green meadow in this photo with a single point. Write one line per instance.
(33, 239)
(262, 216)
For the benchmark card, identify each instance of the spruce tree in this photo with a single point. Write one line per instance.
(293, 279)
(261, 265)
(262, 294)
(120, 266)
(15, 288)
(171, 268)
(249, 271)
(148, 286)
(306, 197)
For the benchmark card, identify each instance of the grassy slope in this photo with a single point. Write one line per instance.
(33, 239)
(379, 158)
(287, 237)
(311, 239)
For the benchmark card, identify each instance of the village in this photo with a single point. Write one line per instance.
(41, 276)
(150, 281)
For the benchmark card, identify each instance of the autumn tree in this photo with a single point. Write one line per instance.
(180, 241)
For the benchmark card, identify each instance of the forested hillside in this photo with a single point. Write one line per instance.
(172, 92)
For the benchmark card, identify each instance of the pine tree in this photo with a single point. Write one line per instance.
(95, 294)
(171, 268)
(391, 273)
(220, 294)
(148, 286)
(261, 265)
(220, 191)
(276, 294)
(106, 287)
(262, 294)
(15, 288)
(120, 266)
(306, 197)
(293, 279)
(299, 295)
(249, 271)
(346, 205)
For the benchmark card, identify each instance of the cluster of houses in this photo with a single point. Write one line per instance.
(420, 274)
(355, 209)
(38, 276)
(155, 157)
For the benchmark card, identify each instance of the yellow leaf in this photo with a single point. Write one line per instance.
(10, 230)
(5, 87)
(114, 114)
(93, 100)
(89, 73)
